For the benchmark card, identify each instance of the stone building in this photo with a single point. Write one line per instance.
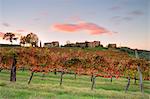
(93, 44)
(70, 45)
(112, 46)
(81, 44)
(52, 44)
(84, 44)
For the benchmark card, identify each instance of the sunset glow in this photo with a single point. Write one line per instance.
(124, 22)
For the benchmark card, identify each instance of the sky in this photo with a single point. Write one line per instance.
(124, 22)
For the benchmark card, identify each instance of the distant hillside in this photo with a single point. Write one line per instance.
(142, 53)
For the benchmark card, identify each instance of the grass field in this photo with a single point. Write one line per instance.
(80, 88)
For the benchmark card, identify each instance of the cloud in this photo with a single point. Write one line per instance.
(67, 27)
(6, 24)
(91, 28)
(116, 18)
(1, 34)
(115, 8)
(21, 30)
(127, 18)
(120, 19)
(130, 16)
(136, 13)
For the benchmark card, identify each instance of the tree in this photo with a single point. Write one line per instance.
(23, 40)
(32, 39)
(10, 36)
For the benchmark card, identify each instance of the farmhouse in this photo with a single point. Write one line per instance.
(80, 44)
(52, 44)
(70, 45)
(84, 44)
(112, 46)
(93, 44)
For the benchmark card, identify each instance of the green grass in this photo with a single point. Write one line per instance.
(48, 87)
(96, 48)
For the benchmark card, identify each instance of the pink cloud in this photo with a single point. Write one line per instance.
(92, 28)
(1, 34)
(21, 30)
(67, 27)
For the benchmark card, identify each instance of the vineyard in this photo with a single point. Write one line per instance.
(107, 64)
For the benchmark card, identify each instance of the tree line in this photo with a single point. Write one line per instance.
(30, 38)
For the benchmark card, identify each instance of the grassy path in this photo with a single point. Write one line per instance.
(48, 87)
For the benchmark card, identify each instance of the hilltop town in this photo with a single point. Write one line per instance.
(85, 44)
(32, 39)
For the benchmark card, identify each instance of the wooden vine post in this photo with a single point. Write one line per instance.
(13, 69)
(128, 84)
(61, 77)
(140, 73)
(93, 81)
(32, 73)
